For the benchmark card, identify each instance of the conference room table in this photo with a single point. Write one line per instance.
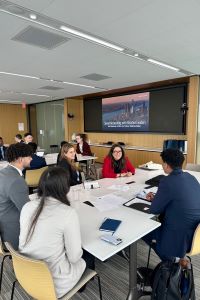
(135, 224)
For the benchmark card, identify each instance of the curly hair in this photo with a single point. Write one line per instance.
(16, 151)
(173, 157)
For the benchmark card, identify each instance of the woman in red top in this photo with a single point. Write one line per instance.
(116, 164)
(82, 146)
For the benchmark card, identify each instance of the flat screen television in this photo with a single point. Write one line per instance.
(154, 111)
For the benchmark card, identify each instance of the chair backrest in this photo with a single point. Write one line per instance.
(174, 144)
(54, 148)
(192, 167)
(32, 177)
(99, 173)
(33, 275)
(2, 251)
(195, 248)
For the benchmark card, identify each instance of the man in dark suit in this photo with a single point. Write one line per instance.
(13, 192)
(2, 150)
(177, 201)
(37, 162)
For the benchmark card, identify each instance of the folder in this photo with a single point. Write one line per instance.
(110, 225)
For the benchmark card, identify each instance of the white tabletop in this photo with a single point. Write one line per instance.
(134, 226)
(85, 157)
(51, 158)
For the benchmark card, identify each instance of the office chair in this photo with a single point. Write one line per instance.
(5, 254)
(36, 279)
(32, 177)
(54, 148)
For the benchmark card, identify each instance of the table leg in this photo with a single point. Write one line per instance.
(133, 292)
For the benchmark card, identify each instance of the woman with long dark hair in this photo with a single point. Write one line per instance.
(116, 164)
(50, 231)
(82, 146)
(66, 161)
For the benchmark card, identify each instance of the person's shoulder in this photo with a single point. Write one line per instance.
(67, 212)
(107, 158)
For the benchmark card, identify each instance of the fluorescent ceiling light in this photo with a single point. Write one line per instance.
(19, 75)
(10, 101)
(162, 64)
(91, 38)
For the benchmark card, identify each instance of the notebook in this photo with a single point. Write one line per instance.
(110, 225)
(155, 180)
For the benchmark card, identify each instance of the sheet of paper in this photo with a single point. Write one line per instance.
(21, 126)
(108, 202)
(116, 187)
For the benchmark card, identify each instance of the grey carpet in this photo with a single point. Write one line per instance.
(114, 278)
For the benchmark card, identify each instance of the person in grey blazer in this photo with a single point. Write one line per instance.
(13, 192)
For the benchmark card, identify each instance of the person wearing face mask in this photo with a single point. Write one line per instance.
(66, 161)
(116, 164)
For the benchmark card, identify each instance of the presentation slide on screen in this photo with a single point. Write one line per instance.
(126, 113)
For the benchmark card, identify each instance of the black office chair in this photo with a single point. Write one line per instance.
(174, 144)
(54, 148)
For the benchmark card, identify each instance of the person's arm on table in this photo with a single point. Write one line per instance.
(161, 199)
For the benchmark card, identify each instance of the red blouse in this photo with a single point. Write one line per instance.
(108, 170)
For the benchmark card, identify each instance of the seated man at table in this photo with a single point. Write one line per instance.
(37, 161)
(28, 138)
(13, 192)
(2, 150)
(177, 201)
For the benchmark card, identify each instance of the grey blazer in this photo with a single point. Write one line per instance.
(13, 196)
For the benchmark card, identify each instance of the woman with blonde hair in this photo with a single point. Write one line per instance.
(67, 162)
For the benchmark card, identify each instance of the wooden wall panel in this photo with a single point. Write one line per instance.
(75, 124)
(10, 116)
(192, 119)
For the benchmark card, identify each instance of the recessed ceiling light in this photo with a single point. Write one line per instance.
(163, 64)
(91, 38)
(33, 16)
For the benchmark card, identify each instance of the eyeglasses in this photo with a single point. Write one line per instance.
(117, 152)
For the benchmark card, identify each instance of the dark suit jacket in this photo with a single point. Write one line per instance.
(4, 151)
(37, 162)
(75, 176)
(178, 200)
(13, 196)
(86, 149)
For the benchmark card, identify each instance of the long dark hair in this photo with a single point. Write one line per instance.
(121, 162)
(54, 182)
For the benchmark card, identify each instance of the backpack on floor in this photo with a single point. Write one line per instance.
(171, 281)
